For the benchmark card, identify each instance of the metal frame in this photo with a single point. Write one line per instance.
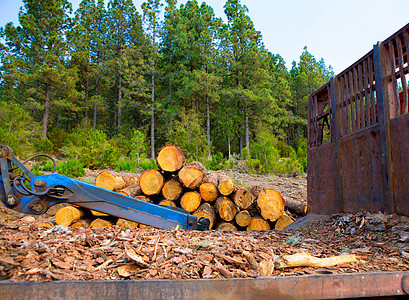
(317, 286)
(364, 164)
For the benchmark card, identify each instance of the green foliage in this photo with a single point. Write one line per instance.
(218, 162)
(190, 136)
(91, 148)
(146, 164)
(43, 145)
(48, 166)
(17, 129)
(127, 164)
(139, 146)
(71, 168)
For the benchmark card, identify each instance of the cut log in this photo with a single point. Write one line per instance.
(190, 176)
(298, 207)
(226, 226)
(100, 223)
(132, 190)
(307, 260)
(83, 223)
(144, 198)
(126, 223)
(43, 225)
(167, 203)
(283, 222)
(242, 197)
(151, 182)
(98, 214)
(225, 208)
(172, 190)
(190, 201)
(211, 177)
(243, 218)
(225, 184)
(270, 203)
(170, 158)
(258, 224)
(209, 192)
(65, 216)
(207, 211)
(115, 181)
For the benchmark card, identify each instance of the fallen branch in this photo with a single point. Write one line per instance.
(307, 260)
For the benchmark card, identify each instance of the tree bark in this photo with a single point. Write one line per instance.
(207, 211)
(115, 181)
(226, 209)
(190, 176)
(46, 110)
(242, 197)
(225, 184)
(270, 203)
(119, 102)
(65, 216)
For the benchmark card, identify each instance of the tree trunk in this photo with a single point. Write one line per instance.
(225, 184)
(167, 203)
(131, 191)
(269, 202)
(153, 96)
(246, 128)
(283, 222)
(298, 207)
(208, 125)
(151, 182)
(243, 218)
(226, 226)
(242, 197)
(86, 98)
(126, 223)
(190, 176)
(207, 211)
(226, 209)
(46, 110)
(119, 103)
(172, 190)
(208, 191)
(100, 223)
(115, 181)
(94, 119)
(170, 158)
(67, 215)
(258, 223)
(190, 201)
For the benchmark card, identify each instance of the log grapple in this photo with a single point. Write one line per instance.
(45, 191)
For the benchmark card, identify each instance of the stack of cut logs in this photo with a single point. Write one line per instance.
(203, 193)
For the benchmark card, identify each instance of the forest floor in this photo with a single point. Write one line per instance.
(30, 253)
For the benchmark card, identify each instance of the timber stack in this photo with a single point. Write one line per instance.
(190, 186)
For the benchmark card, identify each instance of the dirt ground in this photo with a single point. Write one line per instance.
(289, 187)
(29, 252)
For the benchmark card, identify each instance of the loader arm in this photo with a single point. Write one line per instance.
(48, 190)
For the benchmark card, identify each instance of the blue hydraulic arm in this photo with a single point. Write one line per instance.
(48, 190)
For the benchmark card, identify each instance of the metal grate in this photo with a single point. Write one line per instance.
(319, 111)
(356, 96)
(396, 54)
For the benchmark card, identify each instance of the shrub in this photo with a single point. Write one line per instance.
(71, 168)
(17, 129)
(146, 164)
(91, 147)
(126, 164)
(218, 162)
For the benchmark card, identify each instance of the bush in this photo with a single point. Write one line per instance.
(146, 164)
(91, 148)
(127, 164)
(218, 162)
(71, 168)
(17, 129)
(43, 146)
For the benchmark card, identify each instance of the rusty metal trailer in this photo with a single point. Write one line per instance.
(358, 153)
(358, 134)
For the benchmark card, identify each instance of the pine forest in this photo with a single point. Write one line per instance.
(107, 87)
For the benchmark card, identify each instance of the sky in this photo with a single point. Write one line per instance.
(340, 31)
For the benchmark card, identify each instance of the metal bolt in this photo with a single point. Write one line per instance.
(39, 183)
(11, 200)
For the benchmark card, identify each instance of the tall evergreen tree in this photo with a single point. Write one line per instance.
(151, 11)
(36, 60)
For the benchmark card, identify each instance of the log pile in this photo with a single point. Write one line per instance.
(190, 186)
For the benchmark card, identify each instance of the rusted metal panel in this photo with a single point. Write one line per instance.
(377, 284)
(400, 162)
(321, 188)
(362, 177)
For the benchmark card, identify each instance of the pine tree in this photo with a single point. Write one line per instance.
(151, 11)
(36, 59)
